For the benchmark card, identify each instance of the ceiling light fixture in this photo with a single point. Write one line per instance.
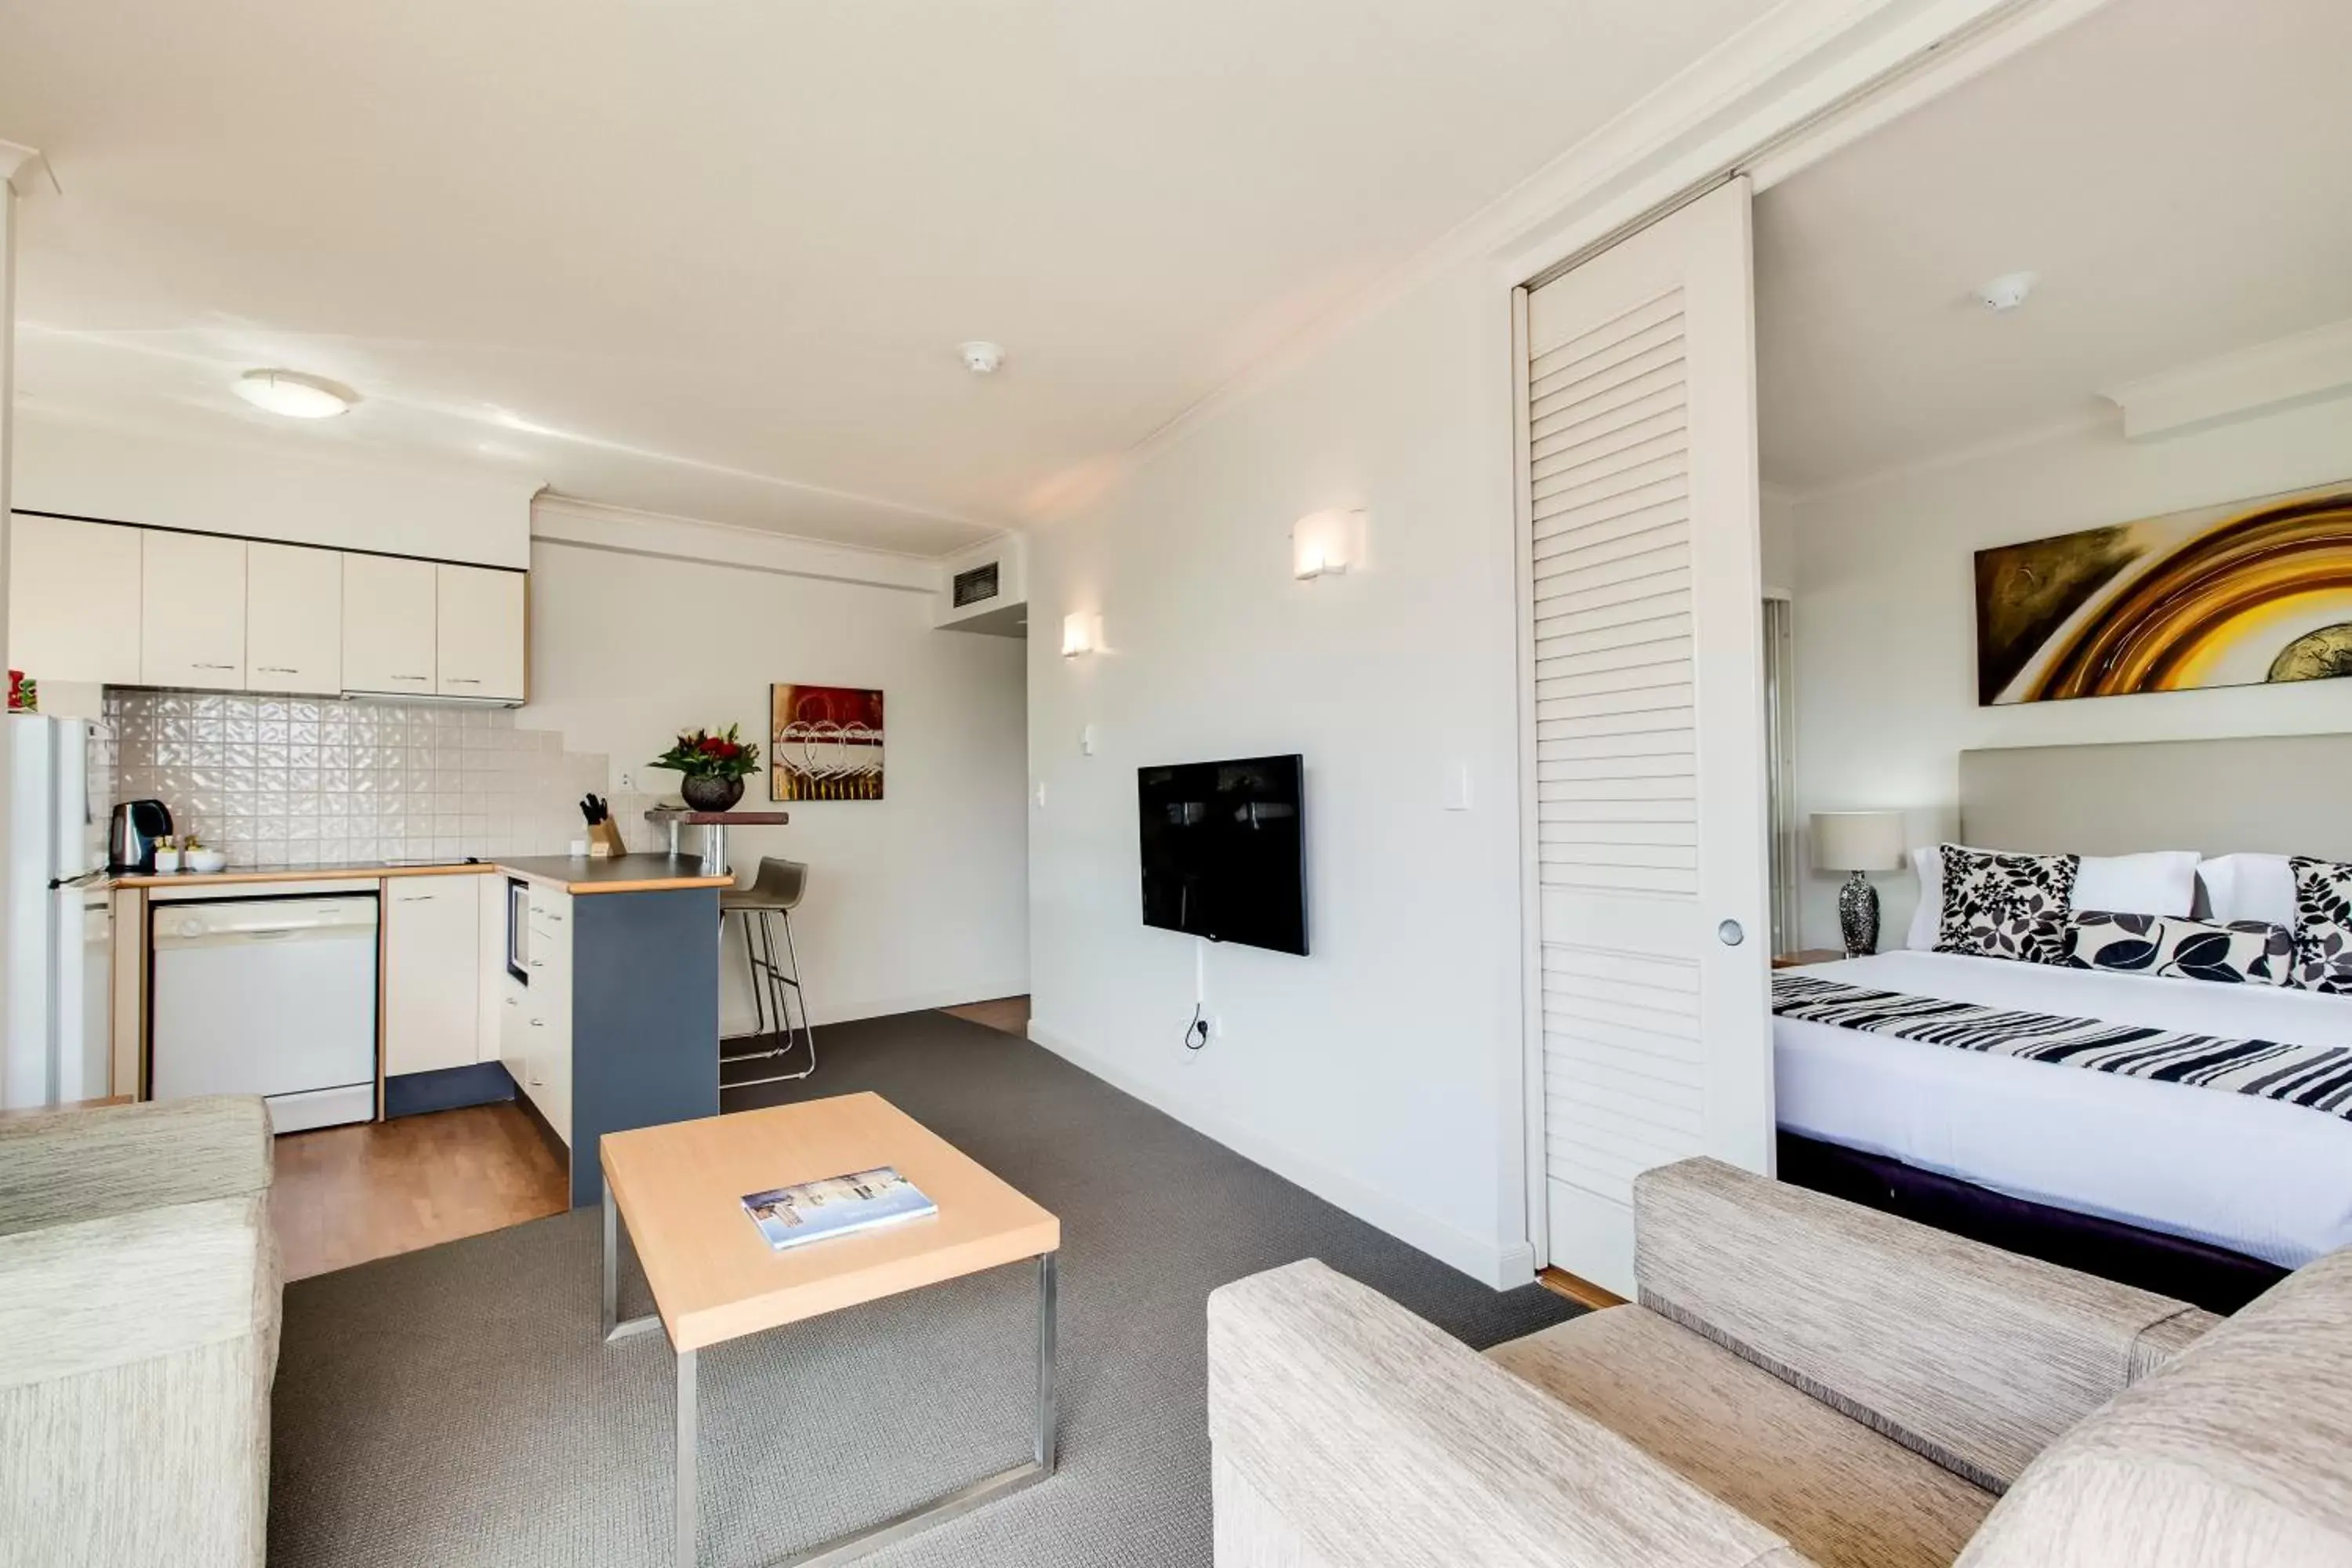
(294, 395)
(982, 358)
(2007, 292)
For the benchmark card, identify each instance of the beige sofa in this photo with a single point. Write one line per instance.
(139, 1297)
(1803, 1382)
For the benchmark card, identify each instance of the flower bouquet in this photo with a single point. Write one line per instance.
(714, 765)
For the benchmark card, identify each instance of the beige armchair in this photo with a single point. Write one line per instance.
(138, 1299)
(1803, 1382)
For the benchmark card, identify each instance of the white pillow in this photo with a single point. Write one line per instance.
(2160, 882)
(2249, 888)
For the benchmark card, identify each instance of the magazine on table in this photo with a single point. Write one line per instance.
(836, 1205)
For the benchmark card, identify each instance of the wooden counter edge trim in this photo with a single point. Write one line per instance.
(647, 885)
(296, 874)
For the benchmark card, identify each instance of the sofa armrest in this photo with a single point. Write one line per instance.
(60, 1166)
(1348, 1432)
(84, 1297)
(1975, 1357)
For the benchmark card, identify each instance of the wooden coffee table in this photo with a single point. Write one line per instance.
(681, 1187)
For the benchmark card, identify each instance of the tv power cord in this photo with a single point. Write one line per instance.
(1196, 1032)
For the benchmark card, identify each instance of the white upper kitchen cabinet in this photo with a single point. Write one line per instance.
(481, 632)
(191, 611)
(388, 624)
(293, 619)
(432, 974)
(73, 600)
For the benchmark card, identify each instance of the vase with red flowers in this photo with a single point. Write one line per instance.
(714, 766)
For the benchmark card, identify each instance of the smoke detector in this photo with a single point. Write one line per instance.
(982, 358)
(2006, 292)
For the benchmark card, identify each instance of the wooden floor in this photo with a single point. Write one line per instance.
(1584, 1292)
(1009, 1014)
(347, 1194)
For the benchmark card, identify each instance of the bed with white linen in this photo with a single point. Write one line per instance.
(2263, 1177)
(2166, 1182)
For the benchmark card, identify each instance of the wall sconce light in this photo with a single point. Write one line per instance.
(1325, 544)
(1077, 634)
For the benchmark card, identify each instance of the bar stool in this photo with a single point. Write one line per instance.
(769, 901)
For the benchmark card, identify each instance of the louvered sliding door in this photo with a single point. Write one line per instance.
(1645, 656)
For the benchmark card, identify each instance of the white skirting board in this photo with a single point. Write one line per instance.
(735, 1014)
(1501, 1266)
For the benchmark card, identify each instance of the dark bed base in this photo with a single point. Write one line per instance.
(2208, 1276)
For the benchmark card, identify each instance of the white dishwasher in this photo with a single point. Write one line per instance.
(274, 997)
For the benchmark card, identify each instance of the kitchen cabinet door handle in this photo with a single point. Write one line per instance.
(204, 666)
(267, 668)
(465, 680)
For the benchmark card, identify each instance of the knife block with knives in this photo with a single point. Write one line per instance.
(603, 832)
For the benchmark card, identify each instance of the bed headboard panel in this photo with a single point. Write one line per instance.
(2279, 794)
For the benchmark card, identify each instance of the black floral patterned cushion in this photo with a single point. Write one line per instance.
(2235, 953)
(2000, 905)
(2323, 924)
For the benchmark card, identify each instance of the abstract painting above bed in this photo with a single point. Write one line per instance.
(2241, 594)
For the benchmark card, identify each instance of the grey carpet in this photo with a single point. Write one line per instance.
(457, 1406)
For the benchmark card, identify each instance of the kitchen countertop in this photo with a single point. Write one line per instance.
(574, 874)
(347, 871)
(619, 874)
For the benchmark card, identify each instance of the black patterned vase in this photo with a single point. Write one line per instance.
(1858, 916)
(705, 793)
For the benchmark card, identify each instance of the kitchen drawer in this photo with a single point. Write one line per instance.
(547, 1061)
(514, 1038)
(548, 956)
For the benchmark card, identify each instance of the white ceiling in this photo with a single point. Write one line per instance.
(2173, 169)
(714, 257)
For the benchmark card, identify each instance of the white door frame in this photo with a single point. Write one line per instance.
(1835, 87)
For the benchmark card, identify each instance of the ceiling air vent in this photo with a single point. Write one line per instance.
(976, 586)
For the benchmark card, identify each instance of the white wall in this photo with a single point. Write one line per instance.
(277, 486)
(1383, 1071)
(914, 900)
(1885, 624)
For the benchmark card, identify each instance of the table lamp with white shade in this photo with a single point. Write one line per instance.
(1859, 842)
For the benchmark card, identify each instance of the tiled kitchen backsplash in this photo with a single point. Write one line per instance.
(305, 781)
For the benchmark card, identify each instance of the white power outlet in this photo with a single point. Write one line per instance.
(628, 782)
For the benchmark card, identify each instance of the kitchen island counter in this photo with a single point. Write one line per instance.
(582, 874)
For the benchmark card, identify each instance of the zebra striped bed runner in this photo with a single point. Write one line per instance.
(2319, 1077)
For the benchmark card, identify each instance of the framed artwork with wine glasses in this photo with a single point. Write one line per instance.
(824, 743)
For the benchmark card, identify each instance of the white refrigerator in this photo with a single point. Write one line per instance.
(58, 986)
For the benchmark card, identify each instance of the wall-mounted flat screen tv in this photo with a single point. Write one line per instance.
(1224, 851)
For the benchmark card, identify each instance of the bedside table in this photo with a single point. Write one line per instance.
(1807, 956)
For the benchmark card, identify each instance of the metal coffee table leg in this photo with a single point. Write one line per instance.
(1049, 1308)
(685, 1497)
(965, 1498)
(614, 1327)
(1045, 1449)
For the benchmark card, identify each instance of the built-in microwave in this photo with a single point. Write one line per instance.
(518, 929)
